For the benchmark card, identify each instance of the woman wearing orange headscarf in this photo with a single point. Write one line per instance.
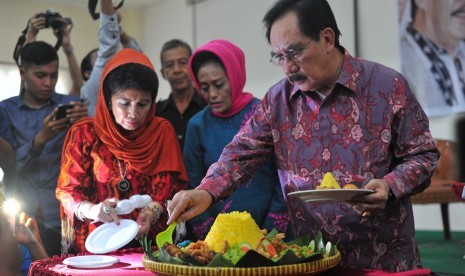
(122, 151)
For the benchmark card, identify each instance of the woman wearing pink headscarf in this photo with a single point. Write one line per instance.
(218, 72)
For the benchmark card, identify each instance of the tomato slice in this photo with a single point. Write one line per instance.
(269, 248)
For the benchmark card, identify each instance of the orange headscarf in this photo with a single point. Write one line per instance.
(150, 149)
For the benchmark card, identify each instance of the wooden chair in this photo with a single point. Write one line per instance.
(440, 192)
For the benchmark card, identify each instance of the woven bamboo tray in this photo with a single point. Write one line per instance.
(310, 268)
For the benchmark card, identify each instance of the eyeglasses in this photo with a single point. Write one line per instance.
(291, 56)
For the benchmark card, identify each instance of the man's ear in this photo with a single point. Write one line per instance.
(329, 37)
(162, 71)
(87, 74)
(22, 73)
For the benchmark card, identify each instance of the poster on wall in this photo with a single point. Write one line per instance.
(432, 53)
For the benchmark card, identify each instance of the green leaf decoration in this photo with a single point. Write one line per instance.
(330, 249)
(252, 258)
(220, 260)
(311, 245)
(165, 257)
(146, 246)
(302, 241)
(320, 245)
(288, 257)
(272, 234)
(311, 258)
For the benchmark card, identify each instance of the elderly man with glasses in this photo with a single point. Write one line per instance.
(332, 113)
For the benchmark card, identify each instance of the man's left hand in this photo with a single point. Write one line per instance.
(370, 204)
(77, 112)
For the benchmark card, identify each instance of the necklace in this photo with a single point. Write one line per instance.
(124, 184)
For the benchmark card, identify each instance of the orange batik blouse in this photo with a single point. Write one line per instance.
(97, 156)
(90, 172)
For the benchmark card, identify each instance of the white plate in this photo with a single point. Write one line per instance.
(91, 261)
(109, 236)
(330, 195)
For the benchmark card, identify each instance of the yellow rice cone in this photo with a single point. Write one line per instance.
(234, 227)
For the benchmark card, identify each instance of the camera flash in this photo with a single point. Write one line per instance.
(11, 206)
(11, 209)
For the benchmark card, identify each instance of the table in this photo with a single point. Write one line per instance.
(131, 264)
(367, 272)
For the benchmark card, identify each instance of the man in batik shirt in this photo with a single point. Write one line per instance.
(332, 113)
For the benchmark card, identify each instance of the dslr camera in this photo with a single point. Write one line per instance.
(53, 19)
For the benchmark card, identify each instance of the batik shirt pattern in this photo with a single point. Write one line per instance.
(370, 126)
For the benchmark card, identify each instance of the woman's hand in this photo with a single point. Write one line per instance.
(188, 204)
(145, 221)
(148, 216)
(104, 211)
(371, 204)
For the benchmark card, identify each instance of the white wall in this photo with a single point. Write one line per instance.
(240, 22)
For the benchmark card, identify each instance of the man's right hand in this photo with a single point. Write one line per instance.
(187, 204)
(36, 23)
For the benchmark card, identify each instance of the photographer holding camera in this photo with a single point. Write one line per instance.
(28, 123)
(109, 36)
(62, 30)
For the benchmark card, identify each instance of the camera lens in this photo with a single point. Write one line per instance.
(55, 22)
(52, 19)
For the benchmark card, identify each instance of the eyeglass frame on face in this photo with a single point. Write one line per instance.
(291, 56)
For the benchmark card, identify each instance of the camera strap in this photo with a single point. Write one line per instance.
(93, 6)
(19, 44)
(22, 40)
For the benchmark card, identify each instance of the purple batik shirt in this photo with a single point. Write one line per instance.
(370, 126)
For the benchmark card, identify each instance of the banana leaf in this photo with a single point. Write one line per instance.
(252, 258)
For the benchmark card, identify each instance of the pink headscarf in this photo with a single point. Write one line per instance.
(233, 60)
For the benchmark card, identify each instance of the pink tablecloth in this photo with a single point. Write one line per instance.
(130, 264)
(367, 272)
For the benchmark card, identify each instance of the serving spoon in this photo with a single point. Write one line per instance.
(165, 236)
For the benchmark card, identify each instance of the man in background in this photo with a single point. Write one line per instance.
(183, 102)
(37, 137)
(92, 65)
(86, 80)
(36, 23)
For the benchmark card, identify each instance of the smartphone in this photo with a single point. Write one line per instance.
(62, 111)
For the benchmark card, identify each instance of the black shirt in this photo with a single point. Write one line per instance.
(168, 110)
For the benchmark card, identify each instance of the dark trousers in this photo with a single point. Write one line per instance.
(51, 238)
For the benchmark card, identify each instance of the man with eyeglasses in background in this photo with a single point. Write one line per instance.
(332, 113)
